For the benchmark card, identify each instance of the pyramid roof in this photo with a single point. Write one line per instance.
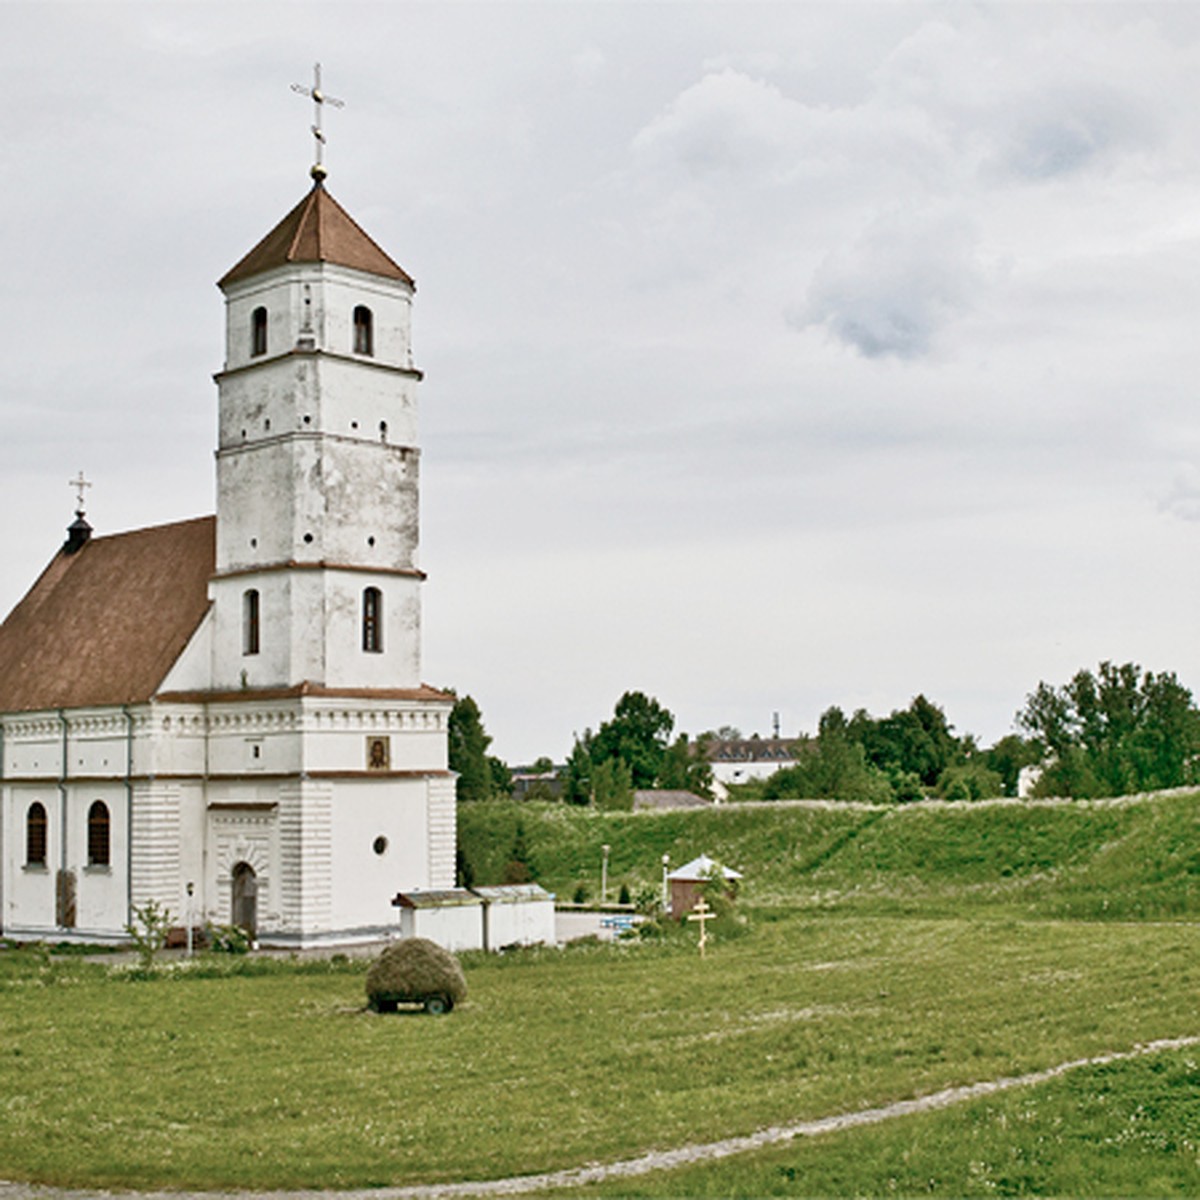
(318, 229)
(104, 625)
(702, 868)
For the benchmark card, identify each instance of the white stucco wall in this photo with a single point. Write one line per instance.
(365, 882)
(332, 293)
(457, 927)
(526, 922)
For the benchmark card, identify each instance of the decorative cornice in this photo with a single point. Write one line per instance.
(52, 780)
(421, 695)
(316, 352)
(321, 565)
(313, 435)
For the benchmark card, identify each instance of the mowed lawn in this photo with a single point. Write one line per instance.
(558, 1058)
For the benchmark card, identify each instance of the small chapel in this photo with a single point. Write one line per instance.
(225, 715)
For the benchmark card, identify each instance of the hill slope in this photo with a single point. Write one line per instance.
(1136, 857)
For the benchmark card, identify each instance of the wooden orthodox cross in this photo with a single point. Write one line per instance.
(319, 98)
(702, 913)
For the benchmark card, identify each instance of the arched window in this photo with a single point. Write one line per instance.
(97, 845)
(35, 835)
(258, 331)
(250, 622)
(364, 338)
(372, 620)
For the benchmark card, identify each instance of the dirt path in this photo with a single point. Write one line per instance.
(657, 1160)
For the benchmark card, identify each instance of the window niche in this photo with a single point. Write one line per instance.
(35, 835)
(258, 332)
(250, 621)
(372, 620)
(364, 332)
(98, 828)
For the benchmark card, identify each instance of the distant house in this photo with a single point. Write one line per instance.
(738, 760)
(541, 785)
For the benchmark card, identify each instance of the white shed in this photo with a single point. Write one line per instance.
(517, 914)
(452, 917)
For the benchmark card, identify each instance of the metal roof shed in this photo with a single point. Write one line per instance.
(452, 917)
(517, 914)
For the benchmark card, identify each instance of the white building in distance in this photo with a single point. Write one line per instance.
(233, 704)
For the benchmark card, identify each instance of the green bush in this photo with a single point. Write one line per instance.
(148, 929)
(415, 970)
(228, 939)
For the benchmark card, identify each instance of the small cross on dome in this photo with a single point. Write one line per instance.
(79, 485)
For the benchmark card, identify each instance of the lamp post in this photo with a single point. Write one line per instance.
(604, 875)
(666, 893)
(191, 888)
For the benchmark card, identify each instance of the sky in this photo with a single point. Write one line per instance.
(777, 356)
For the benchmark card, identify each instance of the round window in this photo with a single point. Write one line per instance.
(379, 845)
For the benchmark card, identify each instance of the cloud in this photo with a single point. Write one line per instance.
(1182, 498)
(724, 122)
(1028, 108)
(891, 291)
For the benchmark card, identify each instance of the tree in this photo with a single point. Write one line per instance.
(1007, 757)
(685, 767)
(519, 868)
(912, 741)
(480, 777)
(612, 789)
(830, 766)
(500, 777)
(1118, 731)
(969, 781)
(637, 734)
(577, 778)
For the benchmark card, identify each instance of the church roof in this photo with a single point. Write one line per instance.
(104, 625)
(318, 229)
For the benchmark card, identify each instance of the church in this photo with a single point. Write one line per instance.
(225, 715)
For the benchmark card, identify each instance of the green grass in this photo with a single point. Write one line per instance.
(1130, 1128)
(889, 953)
(1106, 861)
(276, 1079)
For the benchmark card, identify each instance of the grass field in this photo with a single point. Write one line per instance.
(1125, 1129)
(1104, 859)
(889, 972)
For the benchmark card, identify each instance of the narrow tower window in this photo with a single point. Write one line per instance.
(97, 835)
(364, 341)
(258, 332)
(35, 835)
(372, 620)
(250, 621)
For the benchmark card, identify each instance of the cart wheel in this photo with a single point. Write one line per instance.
(436, 1005)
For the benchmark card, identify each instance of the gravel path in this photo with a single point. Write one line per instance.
(657, 1160)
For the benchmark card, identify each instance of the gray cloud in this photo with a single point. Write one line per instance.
(1182, 496)
(891, 291)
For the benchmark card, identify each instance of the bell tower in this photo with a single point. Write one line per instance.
(316, 579)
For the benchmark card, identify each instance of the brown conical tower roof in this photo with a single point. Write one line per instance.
(318, 229)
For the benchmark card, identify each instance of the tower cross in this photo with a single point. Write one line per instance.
(319, 98)
(79, 485)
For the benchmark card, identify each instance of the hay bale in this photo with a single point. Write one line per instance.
(415, 971)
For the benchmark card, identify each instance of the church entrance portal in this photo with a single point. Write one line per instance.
(244, 910)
